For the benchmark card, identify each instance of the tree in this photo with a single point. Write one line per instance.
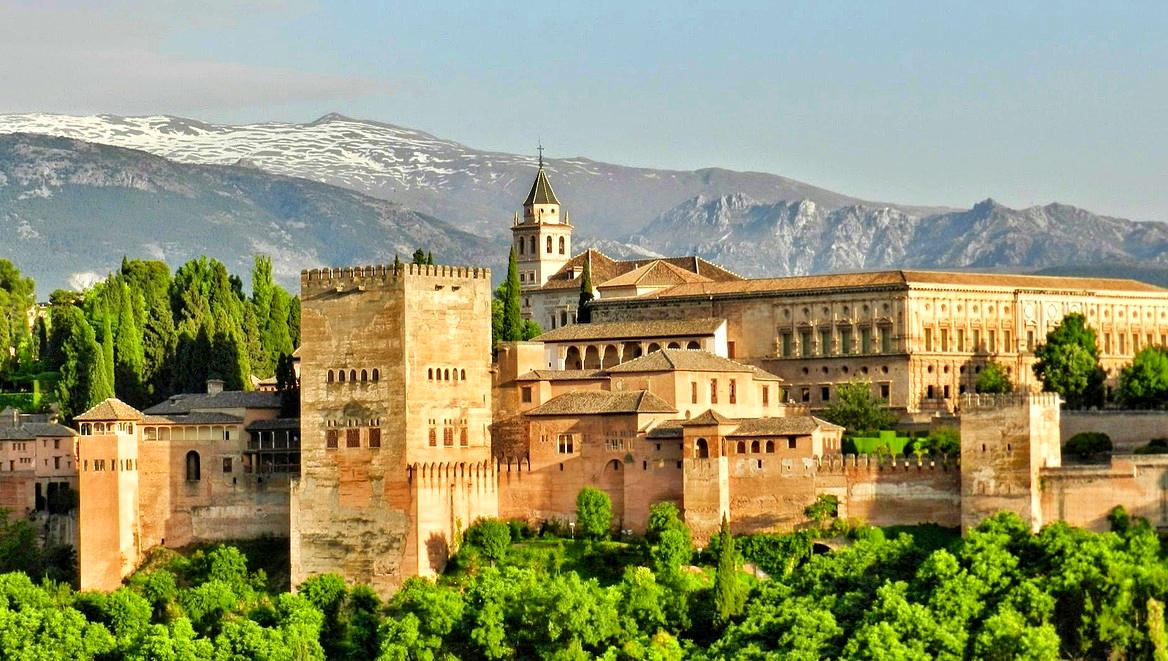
(512, 326)
(1144, 383)
(857, 409)
(81, 363)
(1068, 362)
(593, 513)
(993, 380)
(825, 507)
(419, 258)
(583, 308)
(729, 591)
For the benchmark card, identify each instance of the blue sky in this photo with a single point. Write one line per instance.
(926, 103)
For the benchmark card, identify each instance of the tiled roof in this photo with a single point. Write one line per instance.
(784, 426)
(603, 402)
(656, 273)
(50, 429)
(275, 424)
(666, 429)
(899, 279)
(688, 360)
(111, 409)
(562, 375)
(620, 330)
(710, 417)
(228, 399)
(541, 191)
(16, 434)
(605, 269)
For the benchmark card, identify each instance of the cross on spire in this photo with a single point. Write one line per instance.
(540, 149)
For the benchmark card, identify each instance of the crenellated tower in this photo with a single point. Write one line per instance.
(543, 236)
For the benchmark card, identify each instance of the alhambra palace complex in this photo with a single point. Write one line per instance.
(691, 385)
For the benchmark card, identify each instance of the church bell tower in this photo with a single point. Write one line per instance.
(543, 236)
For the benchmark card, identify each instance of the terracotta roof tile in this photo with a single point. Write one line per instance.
(603, 402)
(784, 426)
(688, 360)
(620, 330)
(111, 409)
(710, 417)
(655, 273)
(562, 375)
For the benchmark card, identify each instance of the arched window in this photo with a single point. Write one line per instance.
(549, 245)
(531, 245)
(193, 472)
(561, 245)
(674, 345)
(447, 377)
(330, 376)
(455, 375)
(462, 374)
(364, 376)
(741, 448)
(429, 373)
(702, 448)
(376, 375)
(521, 245)
(614, 465)
(341, 376)
(693, 345)
(770, 447)
(353, 376)
(754, 447)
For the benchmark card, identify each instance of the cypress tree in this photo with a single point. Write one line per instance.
(512, 318)
(729, 592)
(104, 383)
(429, 258)
(80, 360)
(583, 309)
(129, 358)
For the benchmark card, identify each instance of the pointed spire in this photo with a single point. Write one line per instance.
(541, 190)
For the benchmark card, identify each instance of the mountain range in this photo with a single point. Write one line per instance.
(340, 191)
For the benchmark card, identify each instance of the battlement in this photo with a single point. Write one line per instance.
(437, 474)
(851, 463)
(382, 275)
(972, 402)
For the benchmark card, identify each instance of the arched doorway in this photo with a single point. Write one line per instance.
(612, 482)
(702, 449)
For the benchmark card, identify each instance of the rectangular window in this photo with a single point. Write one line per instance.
(846, 341)
(993, 346)
(226, 464)
(928, 339)
(825, 394)
(944, 339)
(729, 349)
(1122, 343)
(448, 437)
(1008, 337)
(806, 395)
(713, 391)
(791, 444)
(733, 391)
(825, 342)
(945, 390)
(884, 391)
(785, 340)
(564, 444)
(977, 340)
(886, 340)
(961, 339)
(766, 395)
(1107, 343)
(693, 392)
(526, 395)
(1030, 340)
(57, 463)
(330, 439)
(865, 340)
(375, 437)
(57, 441)
(805, 344)
(352, 438)
(929, 392)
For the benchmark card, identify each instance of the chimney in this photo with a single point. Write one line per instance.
(214, 386)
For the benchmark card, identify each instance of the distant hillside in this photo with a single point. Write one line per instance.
(791, 238)
(475, 190)
(71, 208)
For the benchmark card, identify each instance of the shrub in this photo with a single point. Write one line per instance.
(825, 507)
(1154, 446)
(491, 537)
(1088, 443)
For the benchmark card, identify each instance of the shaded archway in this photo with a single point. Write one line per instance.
(653, 346)
(611, 356)
(591, 358)
(631, 350)
(674, 345)
(702, 449)
(572, 359)
(693, 345)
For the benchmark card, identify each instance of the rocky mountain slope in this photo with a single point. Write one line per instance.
(790, 238)
(69, 209)
(473, 189)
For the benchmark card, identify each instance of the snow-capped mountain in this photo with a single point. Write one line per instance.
(473, 189)
(793, 238)
(69, 211)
